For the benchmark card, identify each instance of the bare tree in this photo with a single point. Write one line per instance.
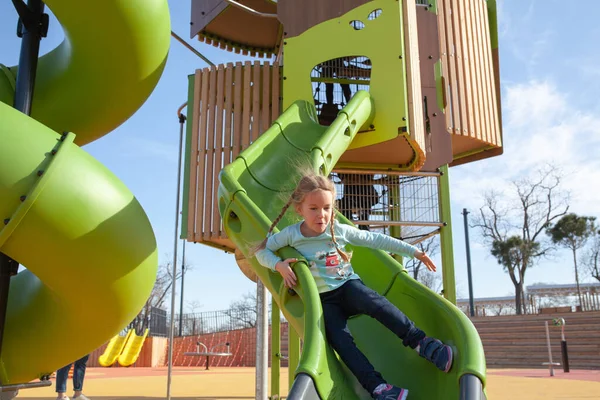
(193, 306)
(513, 227)
(242, 312)
(432, 280)
(158, 297)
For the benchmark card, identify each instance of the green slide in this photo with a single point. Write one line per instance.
(253, 189)
(87, 245)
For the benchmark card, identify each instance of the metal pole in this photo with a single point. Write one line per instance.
(550, 363)
(563, 346)
(193, 50)
(175, 242)
(181, 296)
(468, 246)
(262, 343)
(32, 27)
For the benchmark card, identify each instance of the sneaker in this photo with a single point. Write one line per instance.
(391, 393)
(81, 397)
(437, 352)
(63, 398)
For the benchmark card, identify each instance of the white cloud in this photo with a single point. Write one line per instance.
(540, 126)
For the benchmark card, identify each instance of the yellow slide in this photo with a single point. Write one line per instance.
(114, 349)
(132, 349)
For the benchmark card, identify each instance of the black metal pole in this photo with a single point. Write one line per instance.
(8, 268)
(33, 25)
(468, 246)
(565, 355)
(181, 298)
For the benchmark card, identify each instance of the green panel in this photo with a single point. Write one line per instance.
(493, 21)
(248, 206)
(433, 6)
(382, 40)
(439, 84)
(293, 354)
(185, 204)
(7, 85)
(446, 244)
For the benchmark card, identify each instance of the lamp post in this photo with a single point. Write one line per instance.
(468, 246)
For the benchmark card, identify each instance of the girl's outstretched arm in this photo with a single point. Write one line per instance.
(376, 240)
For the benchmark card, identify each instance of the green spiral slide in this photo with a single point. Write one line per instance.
(87, 245)
(250, 198)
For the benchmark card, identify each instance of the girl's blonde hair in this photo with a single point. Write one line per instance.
(309, 182)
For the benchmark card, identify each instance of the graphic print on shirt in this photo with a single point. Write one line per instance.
(334, 264)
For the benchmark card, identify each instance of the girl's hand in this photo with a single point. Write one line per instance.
(283, 267)
(424, 258)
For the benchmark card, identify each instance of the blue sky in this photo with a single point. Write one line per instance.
(550, 74)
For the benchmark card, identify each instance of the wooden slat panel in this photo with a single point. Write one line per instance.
(237, 109)
(227, 146)
(218, 155)
(265, 117)
(478, 83)
(479, 10)
(481, 117)
(275, 95)
(228, 113)
(246, 105)
(193, 185)
(227, 97)
(255, 125)
(460, 75)
(200, 221)
(452, 117)
(210, 154)
(413, 76)
(467, 64)
(495, 130)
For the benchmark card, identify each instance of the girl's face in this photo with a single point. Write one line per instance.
(316, 209)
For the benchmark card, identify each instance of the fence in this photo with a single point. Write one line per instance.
(234, 326)
(193, 324)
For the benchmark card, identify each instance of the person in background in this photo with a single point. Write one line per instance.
(62, 375)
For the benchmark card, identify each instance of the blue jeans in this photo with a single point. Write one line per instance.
(78, 374)
(354, 298)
